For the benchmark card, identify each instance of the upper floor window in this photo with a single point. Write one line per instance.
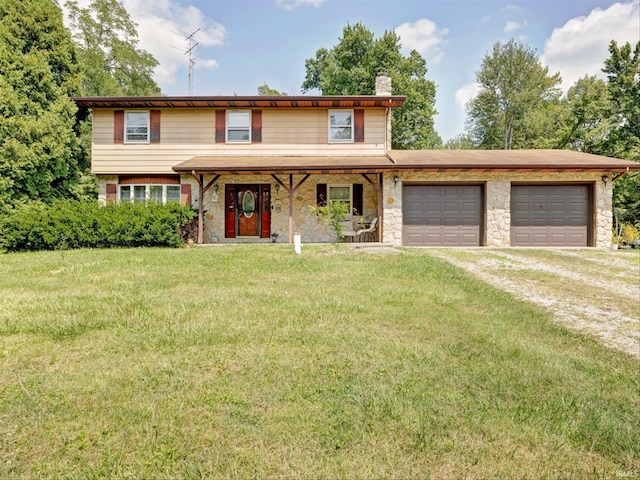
(340, 126)
(136, 127)
(239, 126)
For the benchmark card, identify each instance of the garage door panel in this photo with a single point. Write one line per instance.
(446, 215)
(550, 215)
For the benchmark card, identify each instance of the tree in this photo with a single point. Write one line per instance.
(623, 75)
(515, 99)
(111, 62)
(265, 90)
(351, 67)
(39, 154)
(585, 124)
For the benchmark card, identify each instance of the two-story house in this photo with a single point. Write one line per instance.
(253, 166)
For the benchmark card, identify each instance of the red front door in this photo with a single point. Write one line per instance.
(247, 211)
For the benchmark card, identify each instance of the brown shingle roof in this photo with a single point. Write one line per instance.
(302, 101)
(409, 160)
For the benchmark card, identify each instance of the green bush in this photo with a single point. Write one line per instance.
(70, 224)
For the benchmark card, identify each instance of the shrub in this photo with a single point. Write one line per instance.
(70, 224)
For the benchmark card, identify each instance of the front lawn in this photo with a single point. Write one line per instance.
(250, 361)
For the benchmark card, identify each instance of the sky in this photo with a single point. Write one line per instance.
(242, 44)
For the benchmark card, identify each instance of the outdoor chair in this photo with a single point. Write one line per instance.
(347, 231)
(367, 234)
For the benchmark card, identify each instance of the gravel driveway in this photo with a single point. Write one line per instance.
(593, 291)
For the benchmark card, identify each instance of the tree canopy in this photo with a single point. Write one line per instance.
(38, 74)
(351, 67)
(517, 95)
(108, 53)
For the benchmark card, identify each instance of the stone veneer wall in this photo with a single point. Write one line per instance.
(497, 193)
(303, 223)
(497, 199)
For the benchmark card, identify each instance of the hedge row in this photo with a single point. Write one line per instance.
(71, 224)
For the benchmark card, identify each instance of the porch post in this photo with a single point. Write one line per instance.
(380, 208)
(199, 179)
(290, 208)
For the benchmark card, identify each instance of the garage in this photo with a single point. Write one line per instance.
(442, 215)
(550, 215)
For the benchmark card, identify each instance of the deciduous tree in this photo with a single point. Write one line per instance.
(517, 95)
(108, 52)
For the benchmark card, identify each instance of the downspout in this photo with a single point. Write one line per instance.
(621, 174)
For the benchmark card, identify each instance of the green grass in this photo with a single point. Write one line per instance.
(250, 361)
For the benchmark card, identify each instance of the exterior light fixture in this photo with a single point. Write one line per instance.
(277, 188)
(605, 179)
(215, 188)
(395, 180)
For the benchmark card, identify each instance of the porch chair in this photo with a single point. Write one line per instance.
(368, 233)
(347, 230)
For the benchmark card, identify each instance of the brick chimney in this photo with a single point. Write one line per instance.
(383, 84)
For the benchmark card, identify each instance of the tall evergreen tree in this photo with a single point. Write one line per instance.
(351, 67)
(38, 75)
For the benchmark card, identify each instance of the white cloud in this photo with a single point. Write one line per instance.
(293, 4)
(580, 46)
(163, 26)
(466, 93)
(512, 27)
(424, 36)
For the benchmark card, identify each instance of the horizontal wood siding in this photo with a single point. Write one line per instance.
(186, 133)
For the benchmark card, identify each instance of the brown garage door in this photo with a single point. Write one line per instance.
(441, 215)
(550, 215)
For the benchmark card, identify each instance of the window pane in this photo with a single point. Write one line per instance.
(339, 193)
(238, 135)
(173, 193)
(340, 133)
(139, 193)
(155, 192)
(238, 119)
(125, 193)
(340, 119)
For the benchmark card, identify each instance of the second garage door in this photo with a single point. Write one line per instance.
(442, 215)
(550, 215)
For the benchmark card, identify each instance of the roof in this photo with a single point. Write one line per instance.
(302, 101)
(408, 160)
(261, 165)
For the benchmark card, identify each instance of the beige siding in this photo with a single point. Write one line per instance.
(186, 133)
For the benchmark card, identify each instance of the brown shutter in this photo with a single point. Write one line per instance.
(321, 194)
(358, 200)
(118, 126)
(112, 192)
(256, 126)
(230, 211)
(358, 126)
(185, 194)
(221, 121)
(154, 122)
(265, 206)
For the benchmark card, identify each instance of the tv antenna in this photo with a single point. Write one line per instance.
(192, 45)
